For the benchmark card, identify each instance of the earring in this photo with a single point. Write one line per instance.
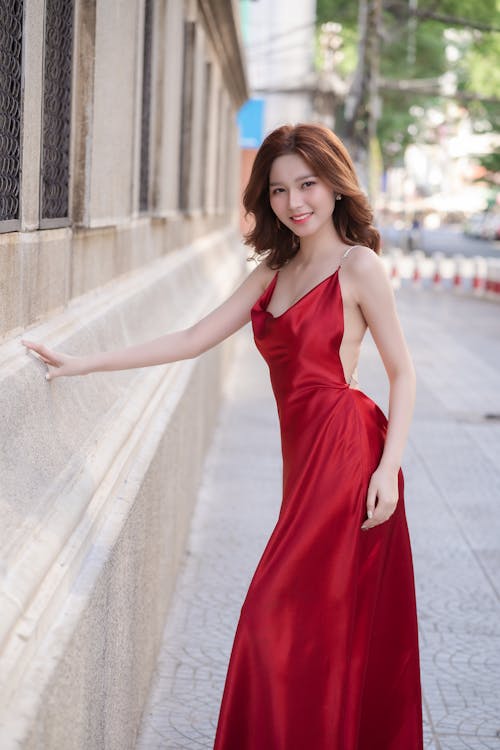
(338, 197)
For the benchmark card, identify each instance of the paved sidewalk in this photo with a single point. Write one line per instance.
(452, 496)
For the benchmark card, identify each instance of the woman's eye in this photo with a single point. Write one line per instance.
(308, 183)
(277, 190)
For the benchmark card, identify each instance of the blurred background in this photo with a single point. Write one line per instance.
(412, 89)
(134, 505)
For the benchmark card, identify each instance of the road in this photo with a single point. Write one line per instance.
(452, 490)
(448, 240)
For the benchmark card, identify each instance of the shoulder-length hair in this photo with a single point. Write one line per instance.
(330, 161)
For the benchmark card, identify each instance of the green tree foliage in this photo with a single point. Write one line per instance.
(491, 163)
(415, 49)
(478, 69)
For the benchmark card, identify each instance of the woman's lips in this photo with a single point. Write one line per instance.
(301, 218)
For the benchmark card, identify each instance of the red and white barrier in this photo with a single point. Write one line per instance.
(477, 275)
(396, 281)
(492, 280)
(464, 273)
(444, 271)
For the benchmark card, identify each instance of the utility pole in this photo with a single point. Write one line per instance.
(411, 53)
(362, 106)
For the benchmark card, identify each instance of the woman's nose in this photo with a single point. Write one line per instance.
(294, 200)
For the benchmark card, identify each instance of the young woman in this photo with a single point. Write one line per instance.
(326, 651)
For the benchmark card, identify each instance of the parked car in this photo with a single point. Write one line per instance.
(490, 228)
(473, 225)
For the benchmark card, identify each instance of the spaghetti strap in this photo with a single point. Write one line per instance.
(347, 252)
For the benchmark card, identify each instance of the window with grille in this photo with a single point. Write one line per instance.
(187, 113)
(144, 193)
(56, 122)
(207, 94)
(11, 32)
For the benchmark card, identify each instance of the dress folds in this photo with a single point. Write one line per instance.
(325, 655)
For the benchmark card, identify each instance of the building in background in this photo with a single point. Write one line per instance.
(279, 49)
(279, 45)
(118, 222)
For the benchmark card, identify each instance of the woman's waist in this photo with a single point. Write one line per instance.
(310, 403)
(293, 390)
(309, 406)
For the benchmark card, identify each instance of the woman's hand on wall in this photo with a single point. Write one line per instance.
(58, 364)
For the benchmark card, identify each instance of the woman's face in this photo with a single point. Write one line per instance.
(301, 200)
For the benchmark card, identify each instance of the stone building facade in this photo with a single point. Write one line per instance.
(118, 222)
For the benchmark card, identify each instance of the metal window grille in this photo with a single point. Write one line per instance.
(187, 113)
(220, 149)
(144, 199)
(11, 30)
(58, 54)
(207, 94)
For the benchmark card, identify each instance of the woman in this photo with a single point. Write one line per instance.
(326, 650)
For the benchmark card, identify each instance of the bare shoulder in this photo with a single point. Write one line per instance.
(363, 260)
(262, 274)
(364, 273)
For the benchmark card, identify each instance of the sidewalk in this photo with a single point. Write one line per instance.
(452, 491)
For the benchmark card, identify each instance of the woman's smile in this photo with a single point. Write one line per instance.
(301, 218)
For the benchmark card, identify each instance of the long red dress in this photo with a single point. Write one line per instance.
(325, 655)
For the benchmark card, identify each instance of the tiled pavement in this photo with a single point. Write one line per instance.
(452, 468)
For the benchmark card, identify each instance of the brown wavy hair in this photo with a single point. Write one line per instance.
(330, 161)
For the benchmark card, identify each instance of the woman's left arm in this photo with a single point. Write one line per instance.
(376, 300)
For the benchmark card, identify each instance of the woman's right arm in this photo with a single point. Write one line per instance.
(171, 347)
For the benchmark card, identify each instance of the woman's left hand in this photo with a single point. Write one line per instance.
(382, 497)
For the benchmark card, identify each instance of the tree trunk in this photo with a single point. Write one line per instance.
(362, 107)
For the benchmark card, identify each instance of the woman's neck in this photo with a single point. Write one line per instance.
(320, 245)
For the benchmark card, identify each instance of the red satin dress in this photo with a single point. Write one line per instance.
(325, 655)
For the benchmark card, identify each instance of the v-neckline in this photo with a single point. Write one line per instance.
(300, 299)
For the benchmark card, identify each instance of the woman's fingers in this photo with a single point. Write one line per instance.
(58, 364)
(381, 499)
(45, 354)
(382, 513)
(53, 361)
(370, 504)
(370, 500)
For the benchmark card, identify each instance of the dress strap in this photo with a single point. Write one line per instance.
(348, 251)
(345, 254)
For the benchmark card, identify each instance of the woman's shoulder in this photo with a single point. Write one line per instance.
(263, 273)
(364, 274)
(361, 260)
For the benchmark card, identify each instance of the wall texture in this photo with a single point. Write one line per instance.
(98, 474)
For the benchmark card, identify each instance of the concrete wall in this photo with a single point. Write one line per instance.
(98, 474)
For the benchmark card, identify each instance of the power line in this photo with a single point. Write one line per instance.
(402, 87)
(440, 17)
(279, 50)
(272, 38)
